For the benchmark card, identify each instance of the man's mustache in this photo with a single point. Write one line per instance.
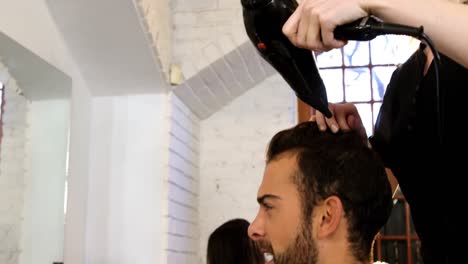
(264, 246)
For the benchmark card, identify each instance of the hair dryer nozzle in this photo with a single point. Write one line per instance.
(252, 4)
(264, 20)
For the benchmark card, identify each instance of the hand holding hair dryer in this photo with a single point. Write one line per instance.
(264, 20)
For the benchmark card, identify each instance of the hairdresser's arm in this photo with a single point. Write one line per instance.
(312, 24)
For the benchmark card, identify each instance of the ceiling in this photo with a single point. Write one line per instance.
(38, 79)
(108, 41)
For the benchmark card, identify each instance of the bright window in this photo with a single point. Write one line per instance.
(360, 71)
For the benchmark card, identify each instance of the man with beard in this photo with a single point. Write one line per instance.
(323, 198)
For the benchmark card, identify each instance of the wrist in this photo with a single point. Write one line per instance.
(378, 8)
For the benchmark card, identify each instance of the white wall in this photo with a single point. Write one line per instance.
(12, 172)
(182, 185)
(78, 175)
(34, 159)
(118, 205)
(30, 24)
(42, 231)
(129, 161)
(232, 153)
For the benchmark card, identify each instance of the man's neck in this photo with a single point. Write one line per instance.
(337, 251)
(339, 258)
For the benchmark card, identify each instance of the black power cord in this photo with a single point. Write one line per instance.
(369, 27)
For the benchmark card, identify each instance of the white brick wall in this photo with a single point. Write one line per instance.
(12, 172)
(182, 185)
(193, 34)
(205, 30)
(232, 153)
(158, 19)
(224, 80)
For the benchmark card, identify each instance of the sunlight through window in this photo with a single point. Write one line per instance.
(360, 72)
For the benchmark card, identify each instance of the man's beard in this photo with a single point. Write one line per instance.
(302, 251)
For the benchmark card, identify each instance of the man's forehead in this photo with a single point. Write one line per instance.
(278, 174)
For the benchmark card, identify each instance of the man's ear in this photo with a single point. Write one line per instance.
(330, 217)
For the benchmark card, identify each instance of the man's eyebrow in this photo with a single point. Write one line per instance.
(262, 198)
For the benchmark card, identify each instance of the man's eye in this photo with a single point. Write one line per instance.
(267, 207)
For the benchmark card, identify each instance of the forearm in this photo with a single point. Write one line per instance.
(444, 22)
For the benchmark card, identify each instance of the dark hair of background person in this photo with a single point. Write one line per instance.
(230, 244)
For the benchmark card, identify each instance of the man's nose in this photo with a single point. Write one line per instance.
(256, 229)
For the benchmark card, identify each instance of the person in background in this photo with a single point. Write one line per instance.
(323, 198)
(230, 244)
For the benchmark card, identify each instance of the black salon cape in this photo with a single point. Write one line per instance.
(429, 171)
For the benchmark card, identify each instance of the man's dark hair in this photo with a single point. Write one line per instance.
(343, 165)
(230, 244)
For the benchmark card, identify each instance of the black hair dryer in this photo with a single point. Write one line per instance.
(264, 20)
